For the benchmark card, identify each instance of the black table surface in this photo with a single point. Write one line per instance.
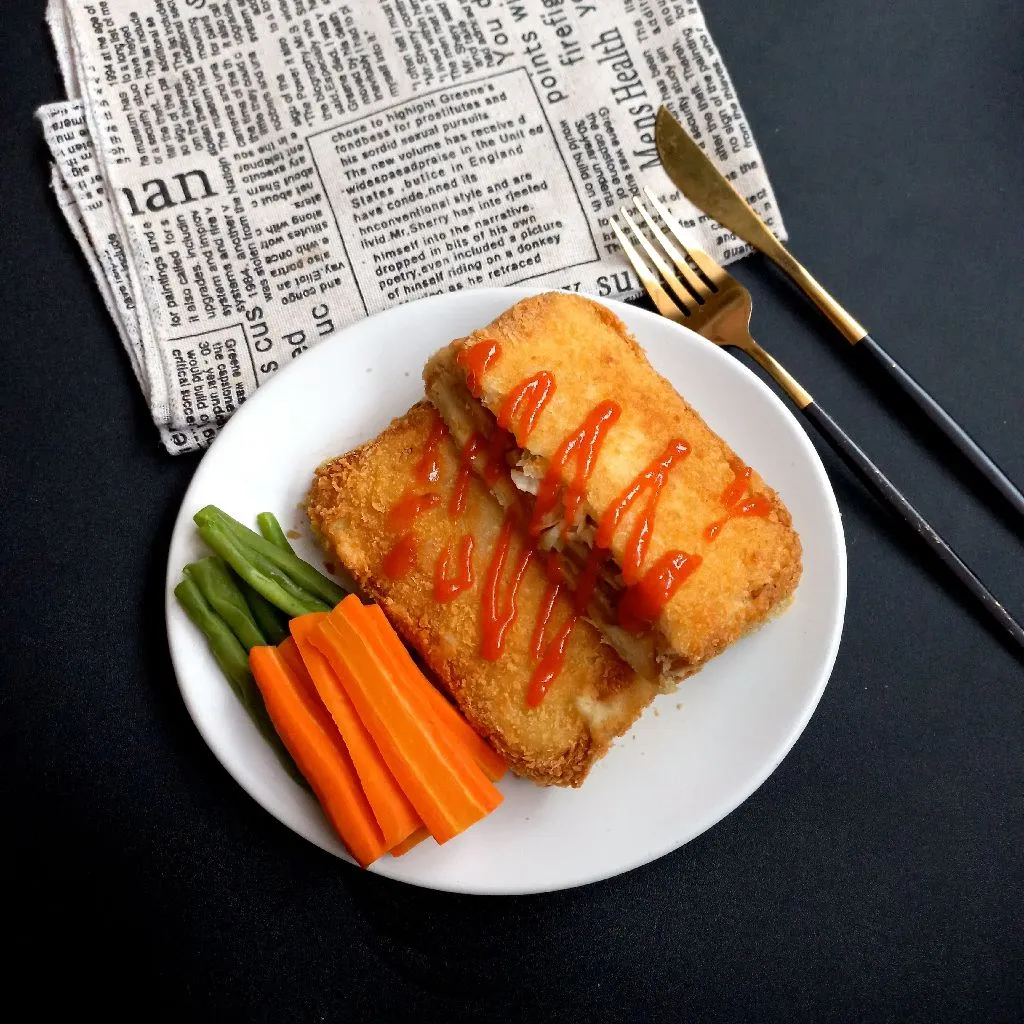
(877, 875)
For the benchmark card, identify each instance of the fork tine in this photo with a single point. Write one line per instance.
(693, 281)
(665, 306)
(707, 266)
(686, 300)
(713, 271)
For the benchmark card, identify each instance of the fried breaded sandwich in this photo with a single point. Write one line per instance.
(675, 546)
(456, 574)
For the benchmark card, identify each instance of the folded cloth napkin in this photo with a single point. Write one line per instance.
(245, 180)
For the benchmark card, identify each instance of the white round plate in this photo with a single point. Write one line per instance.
(691, 759)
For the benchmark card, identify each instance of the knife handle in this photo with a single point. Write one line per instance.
(870, 350)
(886, 492)
(851, 329)
(947, 426)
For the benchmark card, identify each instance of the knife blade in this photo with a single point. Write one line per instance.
(696, 176)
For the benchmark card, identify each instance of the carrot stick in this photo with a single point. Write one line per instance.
(415, 685)
(441, 790)
(314, 742)
(289, 653)
(391, 808)
(396, 658)
(492, 763)
(407, 844)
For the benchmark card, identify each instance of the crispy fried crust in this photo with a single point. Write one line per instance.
(752, 567)
(595, 698)
(464, 415)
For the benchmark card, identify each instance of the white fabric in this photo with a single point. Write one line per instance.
(245, 179)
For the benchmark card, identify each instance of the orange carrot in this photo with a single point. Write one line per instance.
(492, 763)
(414, 840)
(404, 670)
(414, 684)
(480, 787)
(391, 808)
(411, 680)
(314, 742)
(290, 655)
(443, 791)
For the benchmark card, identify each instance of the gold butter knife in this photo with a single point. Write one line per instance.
(697, 177)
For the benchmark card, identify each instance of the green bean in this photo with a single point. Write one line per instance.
(310, 579)
(229, 653)
(264, 577)
(215, 582)
(271, 622)
(308, 602)
(271, 530)
(234, 663)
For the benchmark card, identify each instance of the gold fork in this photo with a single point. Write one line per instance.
(710, 301)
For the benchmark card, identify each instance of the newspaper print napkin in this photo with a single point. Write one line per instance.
(245, 179)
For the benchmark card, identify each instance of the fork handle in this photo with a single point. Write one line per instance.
(950, 429)
(887, 493)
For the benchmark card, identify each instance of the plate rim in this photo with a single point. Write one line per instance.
(242, 777)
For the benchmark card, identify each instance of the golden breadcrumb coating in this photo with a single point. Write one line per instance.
(753, 566)
(595, 697)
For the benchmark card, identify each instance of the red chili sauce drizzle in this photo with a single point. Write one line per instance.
(401, 559)
(738, 506)
(448, 587)
(550, 657)
(476, 360)
(587, 580)
(647, 593)
(524, 404)
(428, 469)
(643, 602)
(553, 568)
(500, 444)
(550, 664)
(649, 484)
(409, 508)
(494, 465)
(498, 608)
(470, 450)
(404, 554)
(580, 450)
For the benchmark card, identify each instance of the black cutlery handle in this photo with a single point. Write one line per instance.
(950, 429)
(887, 492)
